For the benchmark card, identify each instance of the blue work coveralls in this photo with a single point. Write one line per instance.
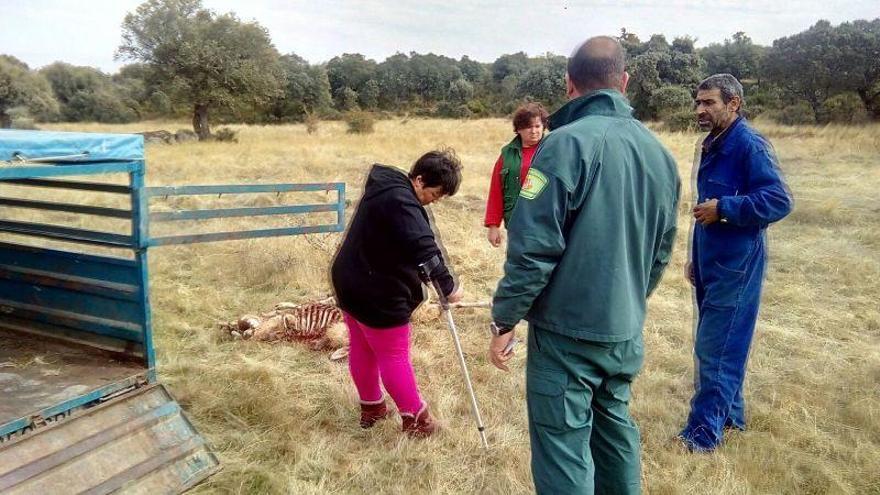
(729, 256)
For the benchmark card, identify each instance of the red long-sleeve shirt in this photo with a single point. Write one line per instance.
(495, 203)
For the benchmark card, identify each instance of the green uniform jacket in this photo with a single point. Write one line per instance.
(594, 226)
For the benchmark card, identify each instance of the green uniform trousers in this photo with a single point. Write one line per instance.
(583, 438)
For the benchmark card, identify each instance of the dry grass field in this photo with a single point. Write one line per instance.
(283, 419)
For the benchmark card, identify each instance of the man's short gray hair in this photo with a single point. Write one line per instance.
(726, 83)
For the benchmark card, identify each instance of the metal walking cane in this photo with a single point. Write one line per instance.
(427, 269)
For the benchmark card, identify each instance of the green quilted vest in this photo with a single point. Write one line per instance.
(511, 156)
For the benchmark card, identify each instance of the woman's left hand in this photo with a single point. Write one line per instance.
(494, 235)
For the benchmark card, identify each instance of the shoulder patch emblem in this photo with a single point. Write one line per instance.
(534, 184)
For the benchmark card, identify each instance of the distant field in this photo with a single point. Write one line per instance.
(284, 419)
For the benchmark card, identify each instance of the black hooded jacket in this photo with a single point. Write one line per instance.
(375, 273)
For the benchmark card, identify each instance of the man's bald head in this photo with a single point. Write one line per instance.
(599, 63)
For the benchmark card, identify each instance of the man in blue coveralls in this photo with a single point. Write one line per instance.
(741, 192)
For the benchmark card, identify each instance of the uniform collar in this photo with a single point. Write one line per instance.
(723, 143)
(607, 102)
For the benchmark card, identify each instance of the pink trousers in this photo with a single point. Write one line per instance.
(382, 353)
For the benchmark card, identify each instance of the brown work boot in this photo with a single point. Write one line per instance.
(372, 412)
(420, 425)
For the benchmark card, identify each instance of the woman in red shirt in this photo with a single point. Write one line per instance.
(512, 166)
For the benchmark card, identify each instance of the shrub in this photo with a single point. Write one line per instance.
(21, 119)
(845, 108)
(873, 99)
(360, 122)
(752, 111)
(800, 113)
(225, 134)
(331, 114)
(160, 103)
(766, 96)
(478, 108)
(347, 99)
(452, 110)
(681, 121)
(670, 100)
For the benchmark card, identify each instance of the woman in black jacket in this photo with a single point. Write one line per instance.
(376, 279)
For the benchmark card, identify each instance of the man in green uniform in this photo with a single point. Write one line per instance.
(589, 239)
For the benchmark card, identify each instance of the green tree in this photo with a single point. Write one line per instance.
(20, 87)
(860, 42)
(644, 80)
(430, 76)
(826, 60)
(142, 91)
(505, 66)
(460, 91)
(346, 99)
(306, 92)
(369, 95)
(393, 78)
(545, 81)
(87, 94)
(206, 60)
(684, 44)
(739, 57)
(659, 65)
(631, 43)
(349, 70)
(475, 72)
(798, 64)
(658, 43)
(669, 100)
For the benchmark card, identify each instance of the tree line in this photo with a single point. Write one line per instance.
(187, 61)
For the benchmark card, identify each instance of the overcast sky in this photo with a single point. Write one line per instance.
(87, 32)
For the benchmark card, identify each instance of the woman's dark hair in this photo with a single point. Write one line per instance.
(439, 168)
(524, 115)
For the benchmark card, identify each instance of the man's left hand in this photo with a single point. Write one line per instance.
(496, 351)
(707, 212)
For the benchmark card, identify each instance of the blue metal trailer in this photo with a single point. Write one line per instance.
(81, 407)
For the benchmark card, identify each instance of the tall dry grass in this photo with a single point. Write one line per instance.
(283, 419)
